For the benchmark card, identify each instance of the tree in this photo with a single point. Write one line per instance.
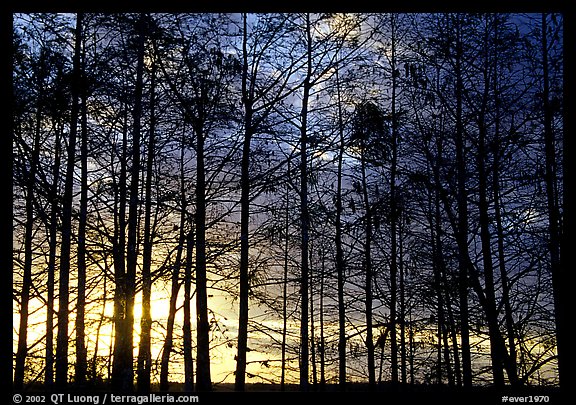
(144, 349)
(175, 282)
(27, 276)
(498, 91)
(187, 324)
(203, 380)
(81, 355)
(554, 217)
(65, 253)
(369, 131)
(304, 217)
(123, 357)
(393, 203)
(262, 51)
(247, 100)
(203, 103)
(340, 264)
(462, 227)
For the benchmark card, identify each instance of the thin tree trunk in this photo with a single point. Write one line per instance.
(412, 348)
(554, 217)
(439, 274)
(403, 370)
(247, 100)
(81, 354)
(438, 226)
(203, 379)
(462, 228)
(340, 265)
(119, 247)
(312, 325)
(304, 216)
(440, 267)
(448, 366)
(175, 282)
(321, 346)
(509, 320)
(144, 349)
(382, 344)
(437, 285)
(187, 324)
(368, 275)
(94, 362)
(285, 285)
(109, 366)
(453, 336)
(497, 352)
(491, 315)
(498, 212)
(168, 340)
(126, 370)
(394, 215)
(22, 350)
(53, 232)
(65, 254)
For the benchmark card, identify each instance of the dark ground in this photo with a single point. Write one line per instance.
(356, 394)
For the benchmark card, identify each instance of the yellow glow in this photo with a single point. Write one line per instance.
(222, 351)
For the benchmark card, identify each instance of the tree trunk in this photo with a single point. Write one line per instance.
(22, 350)
(65, 255)
(119, 247)
(453, 336)
(491, 313)
(394, 215)
(203, 379)
(187, 324)
(144, 352)
(439, 271)
(133, 213)
(247, 100)
(321, 345)
(94, 362)
(175, 287)
(451, 327)
(437, 284)
(403, 370)
(412, 349)
(368, 275)
(53, 232)
(440, 275)
(285, 285)
(123, 370)
(340, 265)
(168, 340)
(304, 216)
(312, 325)
(554, 217)
(498, 352)
(81, 354)
(509, 320)
(462, 226)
